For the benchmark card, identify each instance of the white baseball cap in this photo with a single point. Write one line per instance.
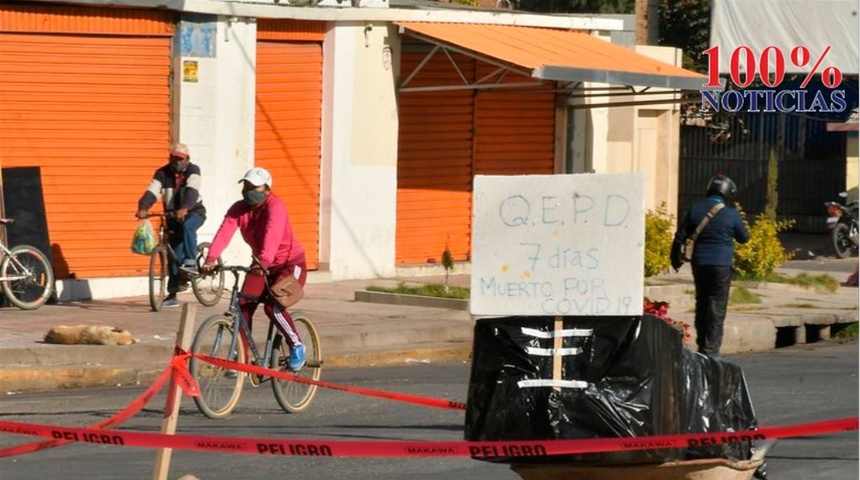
(179, 150)
(258, 176)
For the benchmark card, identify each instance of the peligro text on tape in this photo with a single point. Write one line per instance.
(129, 411)
(482, 449)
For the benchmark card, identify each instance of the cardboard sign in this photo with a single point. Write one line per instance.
(558, 245)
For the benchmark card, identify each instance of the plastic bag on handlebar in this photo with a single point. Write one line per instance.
(143, 242)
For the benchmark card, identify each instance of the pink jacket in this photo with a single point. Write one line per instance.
(266, 229)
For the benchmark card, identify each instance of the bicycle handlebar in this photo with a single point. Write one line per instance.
(232, 268)
(167, 214)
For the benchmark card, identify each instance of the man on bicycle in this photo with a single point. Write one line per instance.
(263, 220)
(178, 184)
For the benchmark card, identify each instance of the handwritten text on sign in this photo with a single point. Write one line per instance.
(558, 245)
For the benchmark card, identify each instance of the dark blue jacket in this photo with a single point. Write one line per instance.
(715, 245)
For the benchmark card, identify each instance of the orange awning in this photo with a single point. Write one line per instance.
(559, 55)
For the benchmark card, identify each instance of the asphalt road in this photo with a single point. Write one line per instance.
(788, 386)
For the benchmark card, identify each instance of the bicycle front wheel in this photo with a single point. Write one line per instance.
(220, 388)
(157, 277)
(207, 288)
(30, 277)
(294, 396)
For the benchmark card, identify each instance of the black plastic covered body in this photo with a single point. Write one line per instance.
(638, 380)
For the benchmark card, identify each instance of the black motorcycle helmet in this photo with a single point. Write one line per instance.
(723, 186)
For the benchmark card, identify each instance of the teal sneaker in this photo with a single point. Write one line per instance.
(297, 357)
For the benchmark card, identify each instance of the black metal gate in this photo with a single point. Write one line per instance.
(811, 163)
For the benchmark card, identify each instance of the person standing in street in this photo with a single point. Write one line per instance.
(712, 259)
(178, 184)
(262, 219)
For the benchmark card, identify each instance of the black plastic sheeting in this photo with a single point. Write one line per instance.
(639, 378)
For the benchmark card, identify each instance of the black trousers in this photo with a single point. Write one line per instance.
(712, 298)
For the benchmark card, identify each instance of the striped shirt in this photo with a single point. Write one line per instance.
(176, 189)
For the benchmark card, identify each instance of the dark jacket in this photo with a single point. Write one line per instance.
(176, 189)
(715, 246)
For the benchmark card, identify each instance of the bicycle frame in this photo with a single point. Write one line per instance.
(164, 237)
(233, 312)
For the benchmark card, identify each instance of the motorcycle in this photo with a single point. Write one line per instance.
(842, 223)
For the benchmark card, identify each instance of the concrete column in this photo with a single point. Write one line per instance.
(215, 89)
(360, 126)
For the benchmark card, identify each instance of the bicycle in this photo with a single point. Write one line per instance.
(26, 276)
(208, 289)
(217, 337)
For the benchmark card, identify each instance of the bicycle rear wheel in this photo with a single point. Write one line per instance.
(157, 277)
(220, 388)
(207, 288)
(293, 396)
(33, 277)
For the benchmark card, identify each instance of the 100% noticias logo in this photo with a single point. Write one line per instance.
(770, 65)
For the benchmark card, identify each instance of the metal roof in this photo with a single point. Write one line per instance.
(559, 55)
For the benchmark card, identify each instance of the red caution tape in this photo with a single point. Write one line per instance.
(414, 399)
(484, 450)
(182, 377)
(131, 410)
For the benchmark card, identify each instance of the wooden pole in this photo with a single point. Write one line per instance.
(174, 394)
(646, 14)
(557, 343)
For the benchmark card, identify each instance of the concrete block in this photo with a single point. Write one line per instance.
(747, 334)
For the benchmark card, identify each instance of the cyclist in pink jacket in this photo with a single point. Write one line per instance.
(264, 223)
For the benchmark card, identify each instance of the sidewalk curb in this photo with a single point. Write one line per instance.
(411, 300)
(30, 378)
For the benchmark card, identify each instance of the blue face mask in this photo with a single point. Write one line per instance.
(253, 197)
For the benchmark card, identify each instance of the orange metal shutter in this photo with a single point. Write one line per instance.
(85, 96)
(515, 132)
(434, 167)
(289, 120)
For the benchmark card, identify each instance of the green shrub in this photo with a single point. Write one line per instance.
(764, 253)
(658, 240)
(847, 331)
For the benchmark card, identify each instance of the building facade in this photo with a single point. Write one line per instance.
(373, 122)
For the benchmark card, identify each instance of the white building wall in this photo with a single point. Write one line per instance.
(645, 138)
(228, 97)
(360, 125)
